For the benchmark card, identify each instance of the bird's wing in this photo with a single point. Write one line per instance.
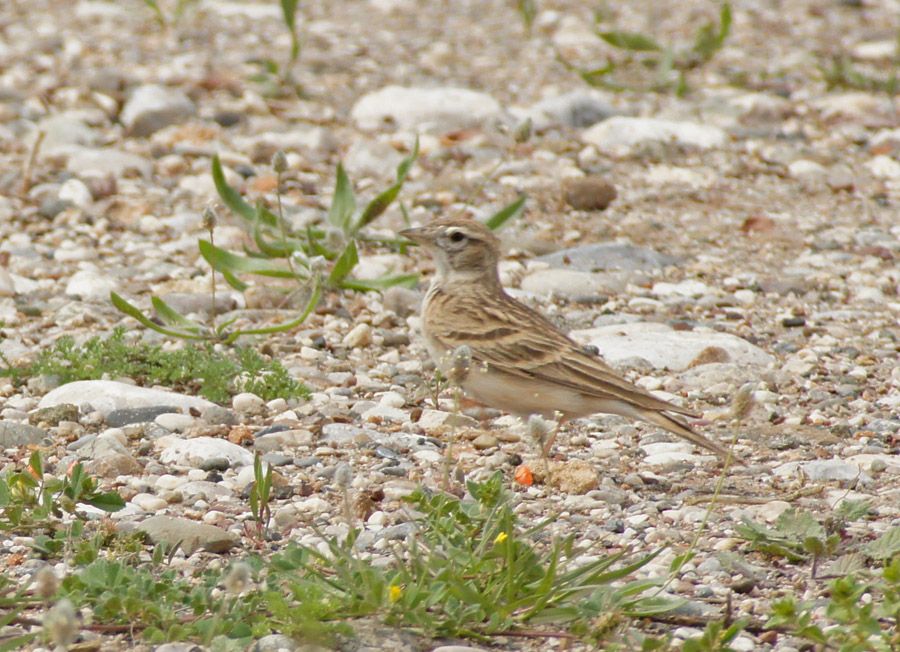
(512, 338)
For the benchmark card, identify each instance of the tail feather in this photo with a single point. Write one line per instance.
(682, 429)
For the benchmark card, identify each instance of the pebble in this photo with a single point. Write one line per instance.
(247, 403)
(188, 535)
(430, 110)
(175, 422)
(152, 107)
(576, 109)
(106, 396)
(360, 335)
(619, 134)
(90, 285)
(589, 193)
(197, 451)
(666, 348)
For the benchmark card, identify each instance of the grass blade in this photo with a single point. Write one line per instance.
(132, 311)
(344, 264)
(343, 204)
(231, 197)
(506, 213)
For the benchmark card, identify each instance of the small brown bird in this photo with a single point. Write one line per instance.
(520, 362)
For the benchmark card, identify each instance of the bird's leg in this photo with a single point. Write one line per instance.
(458, 371)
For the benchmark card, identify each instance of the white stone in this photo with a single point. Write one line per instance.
(822, 470)
(884, 167)
(661, 175)
(90, 285)
(149, 502)
(392, 399)
(76, 192)
(620, 133)
(805, 169)
(101, 162)
(152, 107)
(192, 452)
(359, 335)
(107, 395)
(247, 403)
(385, 413)
(437, 110)
(688, 288)
(666, 348)
(175, 421)
(572, 283)
(576, 109)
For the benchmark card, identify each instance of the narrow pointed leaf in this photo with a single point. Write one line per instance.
(222, 261)
(343, 203)
(634, 41)
(286, 326)
(231, 197)
(132, 311)
(172, 317)
(344, 264)
(506, 213)
(380, 283)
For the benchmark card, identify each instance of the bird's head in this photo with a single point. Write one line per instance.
(463, 249)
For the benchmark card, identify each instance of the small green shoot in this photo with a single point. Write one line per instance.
(647, 65)
(260, 495)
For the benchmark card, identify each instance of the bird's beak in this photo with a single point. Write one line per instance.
(419, 235)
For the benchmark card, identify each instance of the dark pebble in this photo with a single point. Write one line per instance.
(590, 193)
(228, 118)
(793, 322)
(268, 430)
(215, 464)
(306, 462)
(127, 416)
(277, 459)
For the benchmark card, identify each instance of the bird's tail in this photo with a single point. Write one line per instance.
(683, 430)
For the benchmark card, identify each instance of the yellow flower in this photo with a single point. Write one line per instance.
(503, 536)
(394, 593)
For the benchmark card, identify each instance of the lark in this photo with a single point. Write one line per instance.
(517, 360)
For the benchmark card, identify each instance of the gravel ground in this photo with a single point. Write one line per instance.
(758, 217)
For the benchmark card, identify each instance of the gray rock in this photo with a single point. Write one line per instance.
(619, 134)
(108, 395)
(51, 416)
(64, 129)
(577, 109)
(188, 535)
(152, 107)
(90, 285)
(666, 348)
(215, 464)
(608, 256)
(572, 283)
(178, 647)
(822, 470)
(435, 110)
(216, 415)
(372, 159)
(103, 162)
(195, 452)
(127, 416)
(14, 434)
(276, 643)
(345, 434)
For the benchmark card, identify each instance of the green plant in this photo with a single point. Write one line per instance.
(527, 10)
(861, 615)
(284, 253)
(215, 374)
(715, 638)
(30, 500)
(841, 73)
(471, 570)
(180, 7)
(260, 493)
(647, 65)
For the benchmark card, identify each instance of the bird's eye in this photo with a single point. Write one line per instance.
(457, 236)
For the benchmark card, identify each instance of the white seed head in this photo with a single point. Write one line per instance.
(209, 218)
(539, 428)
(279, 162)
(743, 401)
(46, 583)
(460, 364)
(60, 623)
(238, 577)
(343, 475)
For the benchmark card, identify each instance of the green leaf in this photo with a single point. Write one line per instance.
(286, 326)
(132, 311)
(385, 198)
(171, 316)
(109, 501)
(344, 264)
(343, 203)
(222, 260)
(506, 213)
(289, 13)
(634, 41)
(886, 546)
(710, 38)
(231, 197)
(381, 283)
